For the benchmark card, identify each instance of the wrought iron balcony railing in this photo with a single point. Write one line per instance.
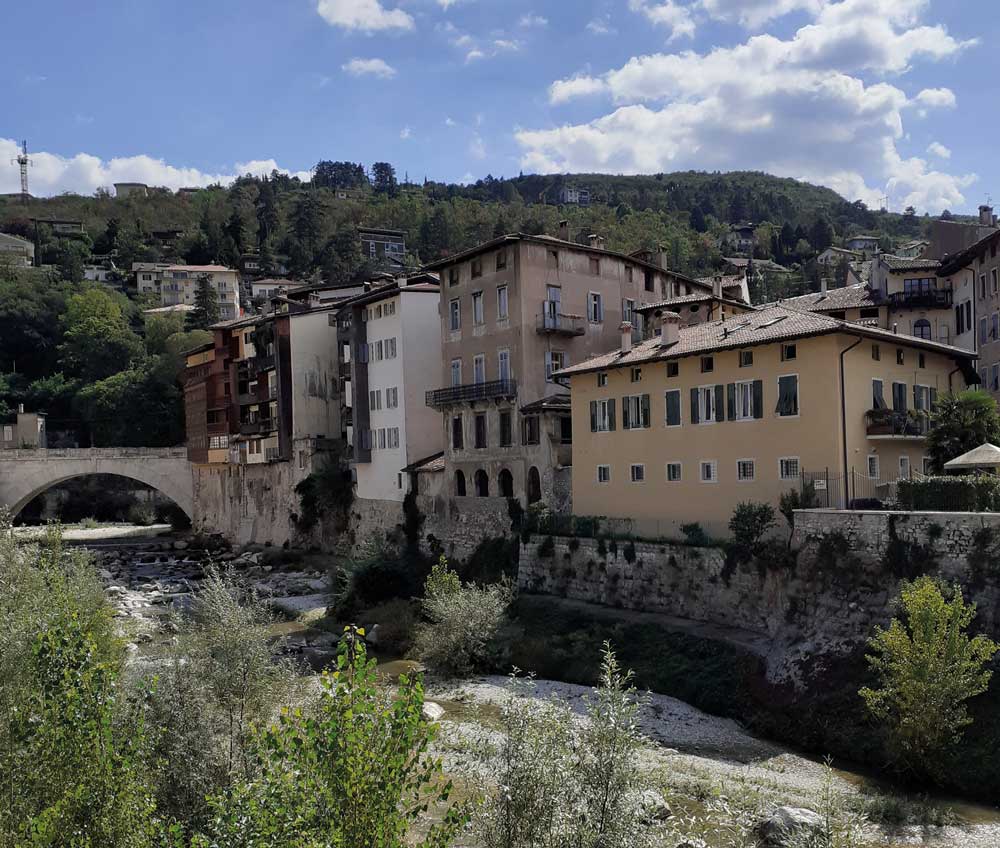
(559, 324)
(492, 390)
(887, 422)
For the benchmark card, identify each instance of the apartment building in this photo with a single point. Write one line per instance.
(16, 250)
(381, 245)
(24, 430)
(684, 426)
(514, 311)
(208, 401)
(390, 347)
(867, 245)
(174, 284)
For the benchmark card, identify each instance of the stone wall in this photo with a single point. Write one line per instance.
(824, 596)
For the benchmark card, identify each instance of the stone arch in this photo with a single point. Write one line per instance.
(460, 483)
(534, 485)
(922, 329)
(182, 500)
(506, 483)
(482, 483)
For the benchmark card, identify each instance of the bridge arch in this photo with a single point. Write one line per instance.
(25, 474)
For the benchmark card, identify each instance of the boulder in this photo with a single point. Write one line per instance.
(432, 711)
(693, 843)
(788, 826)
(652, 807)
(180, 545)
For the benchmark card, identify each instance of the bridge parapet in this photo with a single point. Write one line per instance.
(92, 453)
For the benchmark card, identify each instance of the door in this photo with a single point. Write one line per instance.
(553, 306)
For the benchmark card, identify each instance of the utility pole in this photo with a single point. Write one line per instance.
(23, 161)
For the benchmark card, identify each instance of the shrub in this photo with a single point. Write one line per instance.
(141, 514)
(749, 524)
(374, 573)
(951, 494)
(547, 548)
(695, 535)
(329, 489)
(960, 423)
(463, 623)
(629, 552)
(928, 667)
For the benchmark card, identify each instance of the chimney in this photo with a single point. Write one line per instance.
(670, 328)
(564, 230)
(822, 284)
(596, 240)
(986, 215)
(20, 409)
(626, 328)
(717, 285)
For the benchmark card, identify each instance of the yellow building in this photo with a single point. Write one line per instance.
(684, 426)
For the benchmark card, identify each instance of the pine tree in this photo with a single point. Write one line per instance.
(206, 306)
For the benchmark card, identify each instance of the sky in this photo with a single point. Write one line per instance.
(877, 99)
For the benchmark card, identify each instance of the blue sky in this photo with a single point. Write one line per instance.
(870, 97)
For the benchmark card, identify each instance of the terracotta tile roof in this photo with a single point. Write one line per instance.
(848, 297)
(557, 402)
(701, 297)
(433, 463)
(764, 326)
(898, 263)
(957, 261)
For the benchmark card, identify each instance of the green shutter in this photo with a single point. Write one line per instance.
(673, 408)
(694, 406)
(758, 398)
(731, 400)
(644, 403)
(720, 400)
(593, 416)
(611, 414)
(626, 414)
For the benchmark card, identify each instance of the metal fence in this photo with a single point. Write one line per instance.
(855, 490)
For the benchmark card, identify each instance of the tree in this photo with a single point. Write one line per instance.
(821, 235)
(97, 341)
(384, 179)
(959, 423)
(70, 257)
(206, 305)
(354, 770)
(267, 213)
(153, 402)
(342, 257)
(928, 667)
(698, 223)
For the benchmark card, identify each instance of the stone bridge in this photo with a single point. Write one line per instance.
(26, 473)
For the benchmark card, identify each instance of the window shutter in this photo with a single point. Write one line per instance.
(590, 308)
(694, 406)
(720, 399)
(611, 414)
(593, 416)
(731, 400)
(673, 408)
(626, 416)
(645, 410)
(932, 398)
(758, 398)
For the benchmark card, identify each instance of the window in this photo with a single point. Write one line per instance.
(477, 308)
(873, 471)
(982, 286)
(457, 436)
(707, 364)
(479, 368)
(878, 399)
(673, 369)
(745, 400)
(477, 267)
(455, 312)
(602, 379)
(502, 313)
(994, 327)
(788, 396)
(870, 312)
(453, 277)
(501, 259)
(391, 398)
(554, 361)
(529, 430)
(480, 430)
(927, 466)
(636, 375)
(637, 472)
(503, 364)
(602, 416)
(381, 438)
(706, 404)
(635, 412)
(995, 377)
(628, 273)
(603, 473)
(876, 353)
(673, 472)
(460, 484)
(746, 358)
(921, 360)
(390, 348)
(744, 470)
(218, 442)
(900, 359)
(506, 430)
(553, 259)
(788, 467)
(456, 372)
(788, 352)
(628, 309)
(595, 266)
(904, 468)
(994, 280)
(899, 397)
(673, 408)
(922, 328)
(709, 471)
(983, 330)
(959, 320)
(595, 307)
(376, 351)
(375, 399)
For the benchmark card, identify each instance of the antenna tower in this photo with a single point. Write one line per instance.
(23, 161)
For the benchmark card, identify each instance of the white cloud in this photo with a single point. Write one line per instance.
(798, 107)
(406, 133)
(936, 148)
(474, 54)
(505, 45)
(667, 13)
(937, 98)
(369, 67)
(754, 13)
(364, 15)
(84, 173)
(532, 20)
(477, 147)
(449, 122)
(601, 26)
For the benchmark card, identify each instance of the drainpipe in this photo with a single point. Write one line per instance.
(843, 411)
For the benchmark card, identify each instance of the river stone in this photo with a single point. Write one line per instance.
(652, 806)
(693, 843)
(432, 711)
(180, 545)
(789, 825)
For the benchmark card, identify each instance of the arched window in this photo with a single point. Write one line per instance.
(482, 484)
(534, 485)
(460, 484)
(506, 481)
(922, 329)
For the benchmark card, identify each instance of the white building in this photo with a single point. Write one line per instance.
(19, 251)
(179, 284)
(391, 342)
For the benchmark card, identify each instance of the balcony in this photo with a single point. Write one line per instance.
(888, 424)
(256, 428)
(247, 398)
(493, 390)
(556, 323)
(928, 299)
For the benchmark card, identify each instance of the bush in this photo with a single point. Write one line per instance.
(951, 494)
(695, 535)
(463, 623)
(373, 574)
(547, 548)
(329, 489)
(749, 524)
(141, 514)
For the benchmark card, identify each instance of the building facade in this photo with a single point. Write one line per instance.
(685, 426)
(24, 430)
(382, 246)
(16, 250)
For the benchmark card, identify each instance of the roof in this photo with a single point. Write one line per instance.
(848, 297)
(985, 456)
(864, 237)
(764, 326)
(701, 297)
(177, 307)
(957, 261)
(842, 250)
(899, 263)
(202, 269)
(560, 402)
(766, 264)
(18, 239)
(915, 243)
(433, 463)
(381, 231)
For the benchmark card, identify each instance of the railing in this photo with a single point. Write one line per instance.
(887, 422)
(92, 453)
(473, 391)
(932, 299)
(557, 322)
(247, 398)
